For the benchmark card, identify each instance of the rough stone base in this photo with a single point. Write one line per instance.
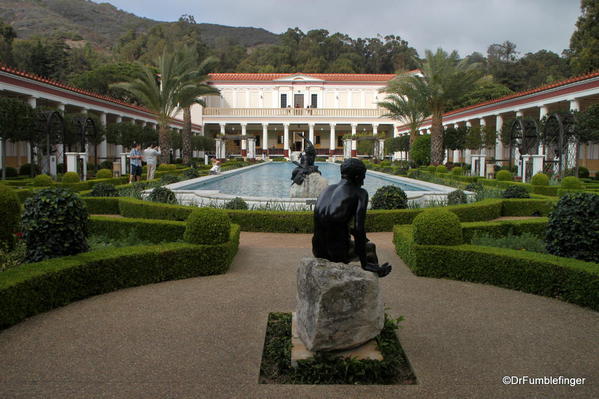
(299, 351)
(313, 185)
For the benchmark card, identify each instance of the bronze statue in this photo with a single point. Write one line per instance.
(306, 165)
(334, 210)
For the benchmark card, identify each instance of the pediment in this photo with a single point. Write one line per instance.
(299, 78)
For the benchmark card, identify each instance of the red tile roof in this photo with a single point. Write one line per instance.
(331, 77)
(526, 92)
(60, 85)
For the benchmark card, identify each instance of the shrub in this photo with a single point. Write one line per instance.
(457, 171)
(236, 203)
(102, 205)
(583, 172)
(413, 173)
(54, 224)
(105, 165)
(456, 197)
(389, 197)
(169, 179)
(104, 174)
(571, 182)
(504, 175)
(25, 169)
(10, 172)
(475, 187)
(441, 169)
(42, 181)
(573, 226)
(164, 195)
(522, 242)
(167, 166)
(431, 168)
(207, 226)
(191, 173)
(70, 177)
(145, 230)
(540, 179)
(420, 152)
(437, 227)
(104, 190)
(515, 192)
(10, 213)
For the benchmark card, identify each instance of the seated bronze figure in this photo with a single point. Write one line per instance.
(306, 165)
(335, 209)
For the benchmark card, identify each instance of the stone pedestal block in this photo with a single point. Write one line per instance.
(339, 306)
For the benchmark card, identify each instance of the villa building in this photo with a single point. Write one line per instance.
(261, 115)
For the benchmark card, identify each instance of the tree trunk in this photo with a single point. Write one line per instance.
(186, 135)
(165, 143)
(437, 139)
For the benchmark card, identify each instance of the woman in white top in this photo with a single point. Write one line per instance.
(151, 156)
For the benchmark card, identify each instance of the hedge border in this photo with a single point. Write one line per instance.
(570, 280)
(38, 287)
(149, 230)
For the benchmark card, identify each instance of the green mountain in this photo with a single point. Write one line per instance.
(103, 24)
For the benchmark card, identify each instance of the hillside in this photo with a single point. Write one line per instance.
(103, 24)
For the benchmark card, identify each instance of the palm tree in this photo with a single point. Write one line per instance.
(159, 87)
(410, 108)
(190, 94)
(443, 80)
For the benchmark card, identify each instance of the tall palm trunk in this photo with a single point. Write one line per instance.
(437, 138)
(186, 135)
(165, 143)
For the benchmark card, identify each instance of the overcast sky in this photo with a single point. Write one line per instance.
(463, 25)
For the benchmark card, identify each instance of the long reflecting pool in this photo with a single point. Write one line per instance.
(273, 180)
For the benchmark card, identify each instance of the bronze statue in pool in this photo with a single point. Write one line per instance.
(335, 209)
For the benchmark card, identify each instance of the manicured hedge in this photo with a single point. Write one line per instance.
(545, 190)
(38, 287)
(150, 230)
(570, 280)
(527, 207)
(89, 184)
(102, 205)
(501, 228)
(133, 208)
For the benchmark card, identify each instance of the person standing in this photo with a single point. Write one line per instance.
(135, 161)
(151, 156)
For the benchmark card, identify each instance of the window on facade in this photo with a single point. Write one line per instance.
(317, 139)
(283, 100)
(280, 139)
(339, 141)
(314, 101)
(258, 141)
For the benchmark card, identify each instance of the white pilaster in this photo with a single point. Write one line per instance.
(498, 142)
(332, 138)
(244, 133)
(311, 132)
(222, 128)
(286, 136)
(264, 136)
(375, 129)
(354, 143)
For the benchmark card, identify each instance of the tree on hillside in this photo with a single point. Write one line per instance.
(444, 79)
(7, 36)
(584, 43)
(100, 78)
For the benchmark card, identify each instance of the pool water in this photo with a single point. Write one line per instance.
(273, 180)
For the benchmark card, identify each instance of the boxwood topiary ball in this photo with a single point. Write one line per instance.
(441, 169)
(70, 177)
(104, 174)
(437, 227)
(456, 197)
(207, 226)
(389, 197)
(104, 190)
(504, 175)
(237, 203)
(571, 182)
(162, 194)
(457, 171)
(431, 168)
(540, 179)
(42, 181)
(10, 213)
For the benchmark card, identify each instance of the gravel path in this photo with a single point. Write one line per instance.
(203, 337)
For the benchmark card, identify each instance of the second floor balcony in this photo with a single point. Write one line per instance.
(295, 112)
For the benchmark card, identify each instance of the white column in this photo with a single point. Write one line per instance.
(222, 128)
(244, 133)
(60, 107)
(375, 129)
(483, 123)
(574, 105)
(103, 147)
(286, 138)
(311, 134)
(332, 138)
(543, 111)
(119, 147)
(32, 101)
(498, 142)
(468, 151)
(519, 113)
(264, 137)
(456, 153)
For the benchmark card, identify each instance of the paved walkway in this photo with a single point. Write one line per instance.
(203, 337)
